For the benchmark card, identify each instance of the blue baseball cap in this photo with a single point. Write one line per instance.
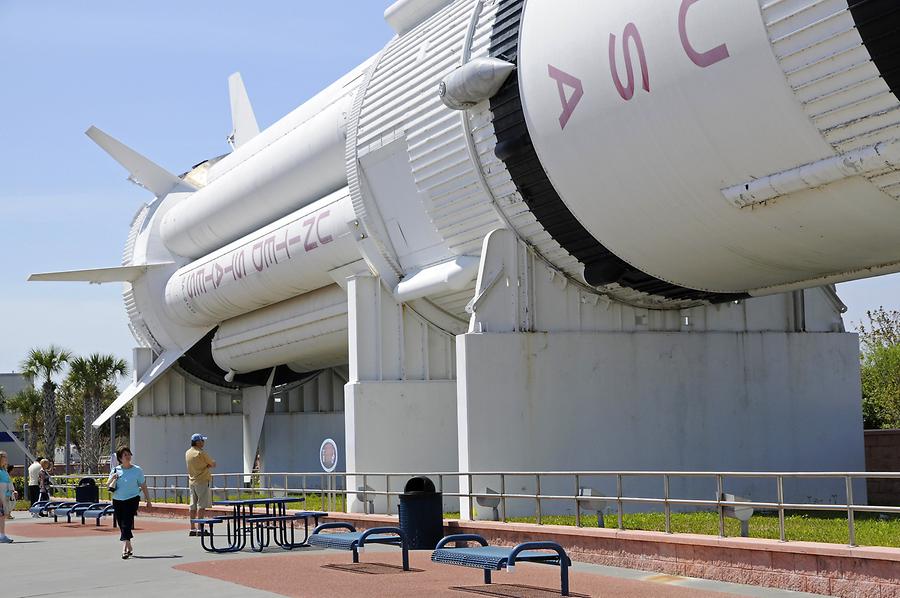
(197, 437)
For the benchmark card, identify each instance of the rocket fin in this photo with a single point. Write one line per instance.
(143, 171)
(97, 275)
(136, 388)
(243, 120)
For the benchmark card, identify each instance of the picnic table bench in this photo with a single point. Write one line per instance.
(264, 528)
(496, 558)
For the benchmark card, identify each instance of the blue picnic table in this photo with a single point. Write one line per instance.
(268, 523)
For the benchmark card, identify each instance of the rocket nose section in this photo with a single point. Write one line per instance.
(634, 117)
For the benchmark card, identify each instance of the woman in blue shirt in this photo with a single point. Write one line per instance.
(8, 497)
(127, 483)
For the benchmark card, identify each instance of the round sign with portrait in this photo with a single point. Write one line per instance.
(328, 455)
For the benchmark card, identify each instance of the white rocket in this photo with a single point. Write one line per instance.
(662, 153)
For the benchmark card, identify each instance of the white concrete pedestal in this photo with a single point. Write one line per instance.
(405, 427)
(659, 401)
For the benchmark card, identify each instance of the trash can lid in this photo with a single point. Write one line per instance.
(87, 482)
(419, 485)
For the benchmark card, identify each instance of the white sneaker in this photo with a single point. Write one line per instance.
(6, 540)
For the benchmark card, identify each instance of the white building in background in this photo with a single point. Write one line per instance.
(13, 383)
(485, 249)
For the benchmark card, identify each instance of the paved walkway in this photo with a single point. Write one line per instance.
(50, 559)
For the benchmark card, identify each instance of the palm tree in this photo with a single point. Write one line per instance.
(28, 404)
(90, 378)
(44, 364)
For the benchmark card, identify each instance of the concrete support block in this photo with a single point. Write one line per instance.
(159, 442)
(660, 401)
(399, 426)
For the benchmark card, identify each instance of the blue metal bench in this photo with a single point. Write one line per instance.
(355, 541)
(69, 509)
(42, 508)
(496, 558)
(97, 512)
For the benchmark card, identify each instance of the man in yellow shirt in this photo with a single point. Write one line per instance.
(199, 467)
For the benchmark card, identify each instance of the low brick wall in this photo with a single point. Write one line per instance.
(829, 569)
(883, 454)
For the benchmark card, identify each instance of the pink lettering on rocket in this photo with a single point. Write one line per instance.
(630, 34)
(565, 81)
(701, 59)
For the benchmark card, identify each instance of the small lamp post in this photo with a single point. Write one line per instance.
(27, 446)
(112, 441)
(68, 444)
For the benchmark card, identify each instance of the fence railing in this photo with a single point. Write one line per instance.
(330, 491)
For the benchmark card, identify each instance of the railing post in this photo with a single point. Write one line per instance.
(779, 481)
(471, 500)
(851, 523)
(387, 492)
(503, 498)
(666, 505)
(365, 495)
(621, 517)
(322, 489)
(577, 502)
(720, 488)
(537, 497)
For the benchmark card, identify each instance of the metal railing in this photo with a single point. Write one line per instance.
(331, 491)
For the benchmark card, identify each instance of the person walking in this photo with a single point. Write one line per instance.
(199, 468)
(34, 471)
(8, 497)
(126, 481)
(45, 482)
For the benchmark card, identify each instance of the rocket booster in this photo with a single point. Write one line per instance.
(662, 153)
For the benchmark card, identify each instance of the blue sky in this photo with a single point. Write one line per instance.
(153, 75)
